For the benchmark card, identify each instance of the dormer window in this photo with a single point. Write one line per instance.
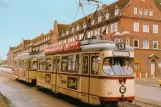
(84, 24)
(116, 10)
(77, 27)
(107, 15)
(92, 22)
(67, 32)
(72, 29)
(99, 18)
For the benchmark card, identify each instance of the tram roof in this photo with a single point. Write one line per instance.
(29, 55)
(100, 45)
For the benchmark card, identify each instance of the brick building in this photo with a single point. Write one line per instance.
(142, 18)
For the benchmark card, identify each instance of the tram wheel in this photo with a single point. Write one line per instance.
(109, 104)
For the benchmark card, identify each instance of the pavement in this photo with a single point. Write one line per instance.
(22, 95)
(147, 81)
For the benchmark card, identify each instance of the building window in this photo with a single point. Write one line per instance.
(99, 31)
(92, 33)
(88, 34)
(128, 42)
(112, 26)
(136, 26)
(145, 12)
(135, 10)
(136, 43)
(96, 33)
(150, 12)
(136, 66)
(99, 18)
(155, 28)
(146, 44)
(80, 36)
(116, 11)
(146, 28)
(116, 27)
(140, 11)
(155, 44)
(106, 29)
(107, 15)
(77, 27)
(93, 22)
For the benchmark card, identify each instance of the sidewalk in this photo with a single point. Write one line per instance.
(22, 95)
(147, 81)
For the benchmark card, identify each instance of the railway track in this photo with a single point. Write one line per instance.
(121, 104)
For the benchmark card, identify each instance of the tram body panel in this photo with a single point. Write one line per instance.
(54, 81)
(44, 79)
(84, 82)
(22, 75)
(110, 88)
(31, 76)
(68, 85)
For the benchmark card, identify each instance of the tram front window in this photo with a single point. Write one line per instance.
(117, 66)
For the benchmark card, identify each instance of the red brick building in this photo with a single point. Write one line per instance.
(142, 18)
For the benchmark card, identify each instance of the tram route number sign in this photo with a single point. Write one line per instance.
(72, 83)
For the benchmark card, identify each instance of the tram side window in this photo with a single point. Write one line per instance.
(85, 65)
(29, 65)
(64, 64)
(34, 65)
(47, 64)
(56, 65)
(40, 64)
(95, 65)
(73, 63)
(70, 63)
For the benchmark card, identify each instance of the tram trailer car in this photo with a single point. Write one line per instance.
(25, 67)
(97, 72)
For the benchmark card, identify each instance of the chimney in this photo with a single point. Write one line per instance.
(104, 6)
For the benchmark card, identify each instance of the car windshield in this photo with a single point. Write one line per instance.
(118, 66)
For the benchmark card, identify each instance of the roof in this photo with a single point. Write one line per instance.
(12, 48)
(27, 41)
(158, 3)
(120, 3)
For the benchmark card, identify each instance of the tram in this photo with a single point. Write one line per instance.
(25, 67)
(97, 72)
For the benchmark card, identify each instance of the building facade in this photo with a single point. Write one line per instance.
(142, 18)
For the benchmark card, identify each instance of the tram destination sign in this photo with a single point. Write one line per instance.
(121, 53)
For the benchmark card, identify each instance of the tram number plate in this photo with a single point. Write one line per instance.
(109, 93)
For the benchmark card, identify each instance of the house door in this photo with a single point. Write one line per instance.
(152, 67)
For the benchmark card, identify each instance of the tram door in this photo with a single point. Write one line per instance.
(85, 71)
(28, 67)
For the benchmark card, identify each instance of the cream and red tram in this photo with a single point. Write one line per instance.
(25, 67)
(94, 71)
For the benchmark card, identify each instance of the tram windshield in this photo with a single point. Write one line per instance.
(118, 66)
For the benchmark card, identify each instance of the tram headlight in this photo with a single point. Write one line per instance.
(122, 89)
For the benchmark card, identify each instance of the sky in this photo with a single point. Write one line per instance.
(29, 18)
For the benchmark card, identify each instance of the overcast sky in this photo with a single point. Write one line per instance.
(29, 18)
